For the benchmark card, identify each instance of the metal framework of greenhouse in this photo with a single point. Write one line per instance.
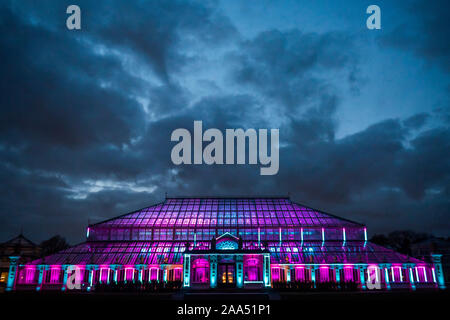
(241, 242)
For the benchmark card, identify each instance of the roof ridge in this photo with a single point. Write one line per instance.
(230, 197)
(165, 202)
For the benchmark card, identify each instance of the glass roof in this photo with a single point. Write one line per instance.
(226, 212)
(140, 252)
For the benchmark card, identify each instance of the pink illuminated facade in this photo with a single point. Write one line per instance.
(227, 242)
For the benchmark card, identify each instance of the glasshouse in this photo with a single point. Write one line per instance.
(242, 243)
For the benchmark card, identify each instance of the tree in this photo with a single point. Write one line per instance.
(380, 239)
(53, 245)
(400, 241)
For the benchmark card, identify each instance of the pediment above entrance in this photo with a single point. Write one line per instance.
(227, 241)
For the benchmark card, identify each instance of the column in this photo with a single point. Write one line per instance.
(114, 268)
(266, 270)
(411, 276)
(90, 270)
(289, 274)
(239, 271)
(186, 270)
(13, 261)
(361, 276)
(213, 270)
(139, 268)
(385, 270)
(439, 273)
(313, 275)
(337, 271)
(42, 268)
(164, 272)
(64, 270)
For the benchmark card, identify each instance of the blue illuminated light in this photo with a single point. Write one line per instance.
(323, 236)
(365, 236)
(344, 236)
(227, 245)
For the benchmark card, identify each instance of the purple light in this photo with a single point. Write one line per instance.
(129, 274)
(200, 271)
(150, 244)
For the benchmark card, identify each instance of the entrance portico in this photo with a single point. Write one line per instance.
(227, 265)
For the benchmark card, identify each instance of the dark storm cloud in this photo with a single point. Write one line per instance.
(425, 32)
(416, 121)
(69, 115)
(86, 118)
(317, 123)
(386, 209)
(335, 171)
(284, 66)
(78, 99)
(375, 158)
(158, 28)
(51, 96)
(425, 166)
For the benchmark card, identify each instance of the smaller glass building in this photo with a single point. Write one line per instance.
(227, 242)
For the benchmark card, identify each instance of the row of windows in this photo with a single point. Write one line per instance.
(252, 272)
(101, 275)
(194, 222)
(266, 234)
(350, 274)
(228, 213)
(234, 210)
(225, 214)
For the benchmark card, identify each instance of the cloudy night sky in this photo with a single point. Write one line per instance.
(86, 116)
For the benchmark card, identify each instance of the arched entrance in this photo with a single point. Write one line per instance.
(200, 271)
(227, 275)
